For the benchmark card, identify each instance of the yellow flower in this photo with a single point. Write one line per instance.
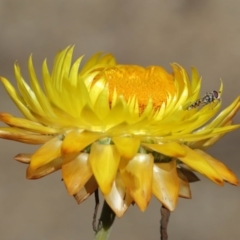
(126, 129)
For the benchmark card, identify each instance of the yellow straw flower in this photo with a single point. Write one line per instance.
(125, 129)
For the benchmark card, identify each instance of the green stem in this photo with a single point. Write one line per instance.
(105, 223)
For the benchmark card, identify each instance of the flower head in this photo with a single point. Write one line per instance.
(125, 129)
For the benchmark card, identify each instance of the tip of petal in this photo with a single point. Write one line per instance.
(234, 182)
(23, 158)
(218, 181)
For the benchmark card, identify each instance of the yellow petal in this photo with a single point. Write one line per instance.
(73, 75)
(23, 136)
(117, 113)
(202, 134)
(196, 80)
(91, 62)
(47, 153)
(184, 188)
(171, 149)
(198, 163)
(137, 177)
(27, 93)
(127, 146)
(204, 117)
(90, 187)
(223, 171)
(76, 140)
(17, 99)
(209, 142)
(101, 106)
(76, 173)
(166, 184)
(119, 198)
(41, 97)
(104, 161)
(182, 80)
(96, 88)
(44, 170)
(227, 114)
(61, 65)
(90, 118)
(26, 124)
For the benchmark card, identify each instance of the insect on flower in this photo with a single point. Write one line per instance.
(207, 99)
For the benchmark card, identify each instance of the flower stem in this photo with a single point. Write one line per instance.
(105, 223)
(95, 228)
(165, 214)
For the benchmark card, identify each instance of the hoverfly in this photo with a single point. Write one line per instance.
(207, 99)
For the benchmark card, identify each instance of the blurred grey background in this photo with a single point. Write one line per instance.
(204, 34)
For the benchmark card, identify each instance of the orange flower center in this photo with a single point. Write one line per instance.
(145, 83)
